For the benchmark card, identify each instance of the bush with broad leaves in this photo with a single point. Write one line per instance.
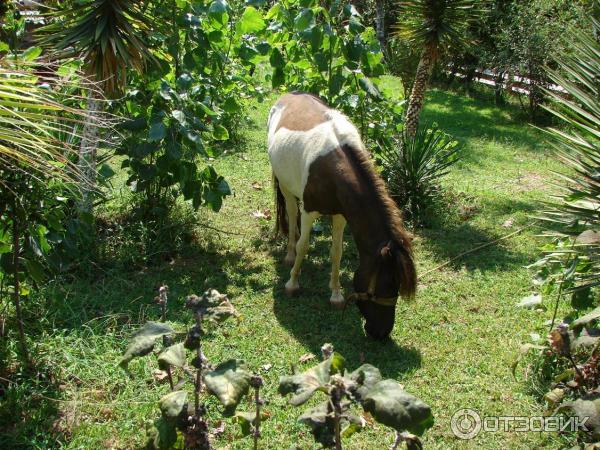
(333, 419)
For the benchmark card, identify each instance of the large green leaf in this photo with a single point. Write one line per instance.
(229, 382)
(218, 12)
(142, 341)
(213, 305)
(363, 379)
(587, 406)
(172, 356)
(251, 21)
(247, 420)
(304, 19)
(321, 424)
(163, 436)
(157, 132)
(304, 385)
(173, 404)
(391, 405)
(587, 319)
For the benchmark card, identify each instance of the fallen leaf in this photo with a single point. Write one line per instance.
(267, 367)
(258, 214)
(219, 429)
(306, 357)
(531, 301)
(256, 185)
(508, 223)
(159, 375)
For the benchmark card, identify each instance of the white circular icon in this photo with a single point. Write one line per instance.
(466, 423)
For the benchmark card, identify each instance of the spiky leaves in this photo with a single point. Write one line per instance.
(109, 34)
(574, 212)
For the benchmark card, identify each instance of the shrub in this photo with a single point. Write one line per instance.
(413, 168)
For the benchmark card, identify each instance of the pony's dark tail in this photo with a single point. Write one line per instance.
(281, 223)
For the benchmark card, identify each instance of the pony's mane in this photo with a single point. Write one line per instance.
(395, 226)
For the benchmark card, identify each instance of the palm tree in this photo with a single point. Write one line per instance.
(435, 26)
(33, 121)
(109, 36)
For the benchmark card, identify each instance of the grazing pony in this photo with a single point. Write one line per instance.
(321, 167)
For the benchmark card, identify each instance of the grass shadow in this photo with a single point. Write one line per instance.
(467, 119)
(310, 319)
(29, 406)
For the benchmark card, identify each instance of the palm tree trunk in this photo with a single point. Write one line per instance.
(380, 25)
(88, 149)
(417, 95)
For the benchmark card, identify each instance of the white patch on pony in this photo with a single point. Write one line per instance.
(292, 152)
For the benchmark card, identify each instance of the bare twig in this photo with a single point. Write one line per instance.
(487, 244)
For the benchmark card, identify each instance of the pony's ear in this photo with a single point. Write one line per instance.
(386, 251)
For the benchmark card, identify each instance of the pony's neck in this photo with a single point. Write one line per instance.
(368, 223)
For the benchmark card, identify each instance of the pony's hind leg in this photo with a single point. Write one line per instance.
(338, 222)
(306, 221)
(291, 206)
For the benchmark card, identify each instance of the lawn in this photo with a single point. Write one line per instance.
(453, 346)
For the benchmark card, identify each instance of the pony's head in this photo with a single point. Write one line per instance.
(390, 274)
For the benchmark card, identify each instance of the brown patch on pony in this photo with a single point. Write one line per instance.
(302, 112)
(336, 182)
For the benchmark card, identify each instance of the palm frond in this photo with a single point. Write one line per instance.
(109, 34)
(33, 116)
(575, 213)
(438, 23)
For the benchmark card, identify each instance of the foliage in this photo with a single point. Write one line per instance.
(571, 260)
(39, 125)
(109, 35)
(385, 400)
(228, 382)
(573, 352)
(327, 51)
(432, 27)
(182, 110)
(413, 169)
(441, 24)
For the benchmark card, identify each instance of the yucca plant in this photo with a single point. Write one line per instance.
(414, 166)
(573, 259)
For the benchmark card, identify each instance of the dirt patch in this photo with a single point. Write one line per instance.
(531, 182)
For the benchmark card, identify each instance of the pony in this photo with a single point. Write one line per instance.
(320, 167)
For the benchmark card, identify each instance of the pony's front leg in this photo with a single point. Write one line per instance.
(338, 222)
(306, 221)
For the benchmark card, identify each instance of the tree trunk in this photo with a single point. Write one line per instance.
(88, 148)
(417, 95)
(380, 25)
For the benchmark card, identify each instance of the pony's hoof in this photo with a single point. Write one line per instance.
(291, 290)
(337, 301)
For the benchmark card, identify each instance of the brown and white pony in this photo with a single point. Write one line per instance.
(321, 167)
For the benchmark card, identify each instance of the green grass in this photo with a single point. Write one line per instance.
(452, 347)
